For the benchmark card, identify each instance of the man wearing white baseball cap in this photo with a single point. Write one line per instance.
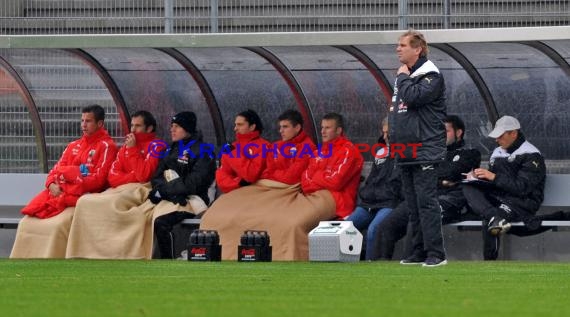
(512, 187)
(504, 124)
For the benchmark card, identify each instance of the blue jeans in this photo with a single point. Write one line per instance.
(364, 219)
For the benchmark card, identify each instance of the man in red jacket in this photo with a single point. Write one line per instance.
(243, 161)
(102, 219)
(134, 163)
(336, 166)
(82, 168)
(289, 157)
(275, 202)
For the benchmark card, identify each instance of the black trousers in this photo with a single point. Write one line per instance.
(165, 238)
(395, 226)
(452, 204)
(488, 206)
(491, 243)
(420, 192)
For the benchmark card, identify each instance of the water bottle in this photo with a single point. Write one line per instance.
(263, 238)
(209, 237)
(256, 239)
(194, 237)
(216, 238)
(201, 237)
(249, 239)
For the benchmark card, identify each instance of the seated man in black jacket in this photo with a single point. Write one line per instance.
(514, 186)
(381, 193)
(181, 181)
(458, 160)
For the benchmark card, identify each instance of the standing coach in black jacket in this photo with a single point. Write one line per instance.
(416, 118)
(459, 160)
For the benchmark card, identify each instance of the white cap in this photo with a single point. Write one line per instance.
(504, 124)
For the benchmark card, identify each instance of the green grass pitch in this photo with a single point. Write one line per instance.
(181, 288)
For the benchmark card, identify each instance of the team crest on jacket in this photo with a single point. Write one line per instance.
(91, 154)
(380, 156)
(184, 157)
(456, 158)
(402, 107)
(293, 151)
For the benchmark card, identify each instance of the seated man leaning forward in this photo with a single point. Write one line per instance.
(181, 181)
(275, 203)
(512, 189)
(82, 168)
(111, 225)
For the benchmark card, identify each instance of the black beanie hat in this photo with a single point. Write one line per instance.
(187, 120)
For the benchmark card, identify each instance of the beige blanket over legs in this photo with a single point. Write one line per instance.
(194, 206)
(114, 224)
(118, 223)
(280, 209)
(42, 238)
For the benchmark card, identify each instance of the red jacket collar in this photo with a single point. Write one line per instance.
(299, 138)
(247, 137)
(143, 137)
(337, 141)
(98, 135)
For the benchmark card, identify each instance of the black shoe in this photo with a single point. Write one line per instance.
(413, 260)
(498, 225)
(433, 261)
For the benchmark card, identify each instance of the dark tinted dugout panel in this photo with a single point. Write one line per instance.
(335, 81)
(151, 80)
(527, 84)
(465, 101)
(384, 56)
(561, 47)
(61, 84)
(241, 79)
(557, 119)
(19, 146)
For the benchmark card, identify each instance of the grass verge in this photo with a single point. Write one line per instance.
(180, 288)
